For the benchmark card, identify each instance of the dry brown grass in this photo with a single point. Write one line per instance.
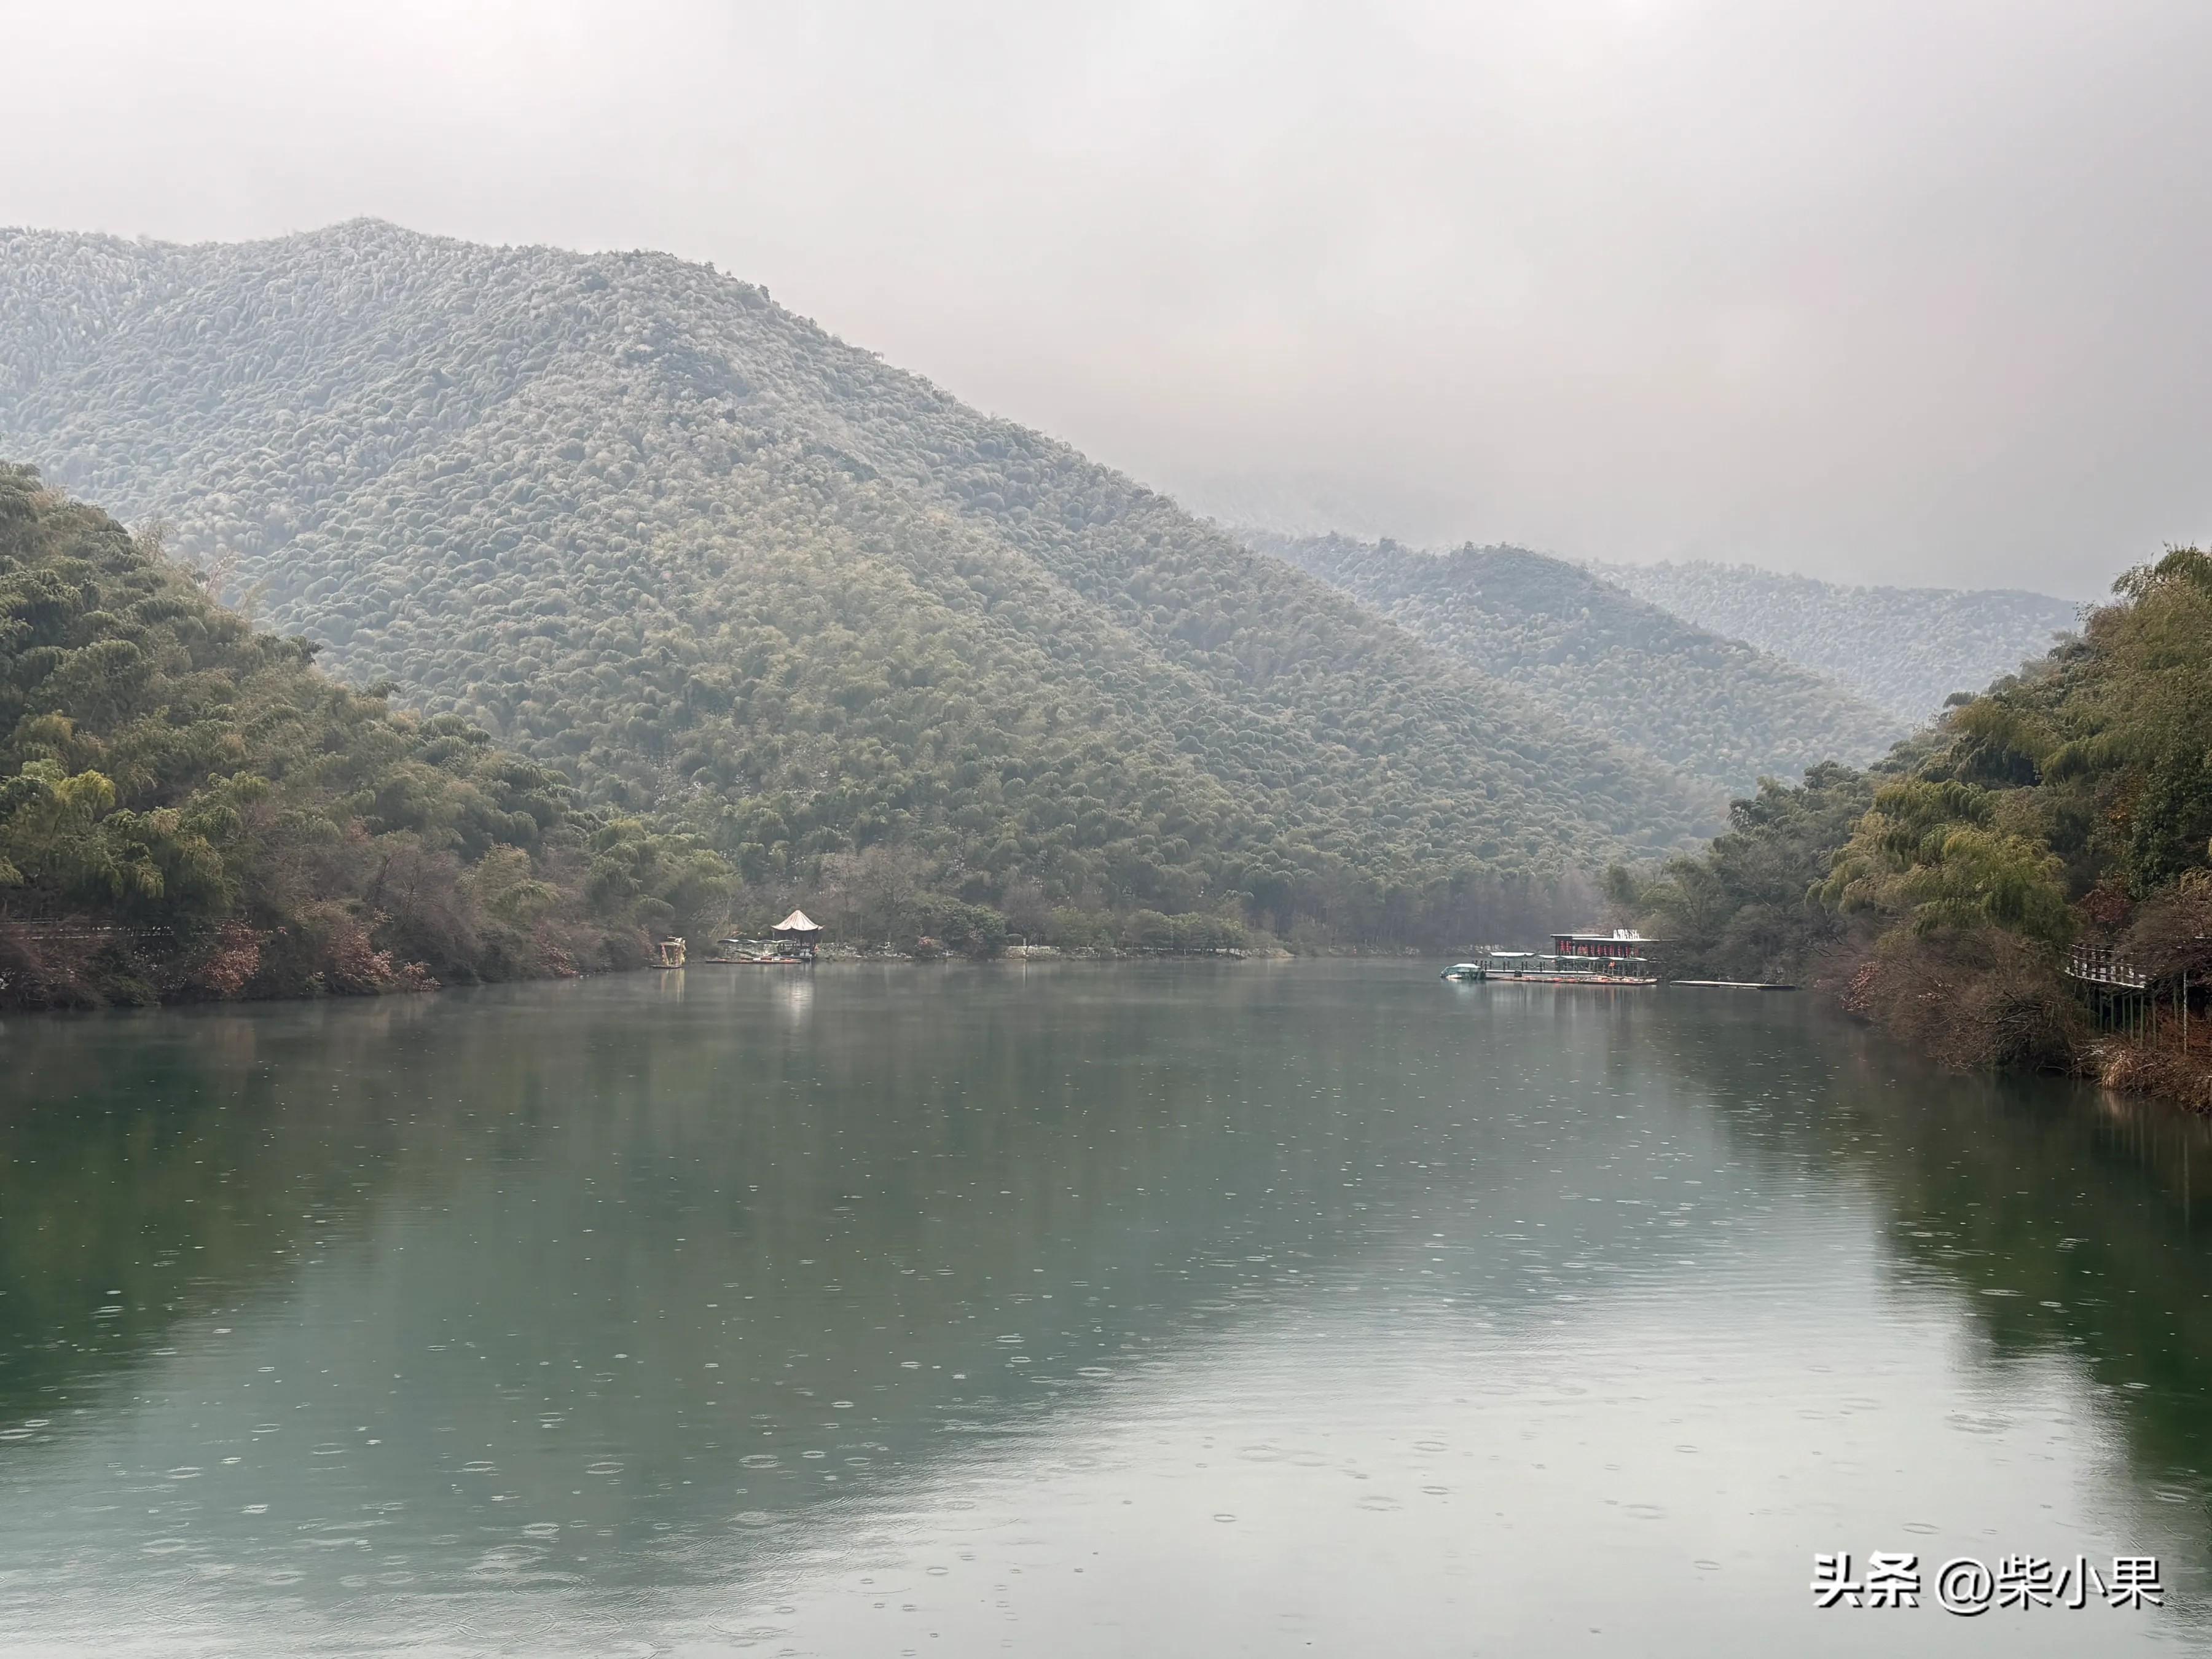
(2159, 1065)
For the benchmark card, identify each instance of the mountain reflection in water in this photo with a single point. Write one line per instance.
(1077, 1309)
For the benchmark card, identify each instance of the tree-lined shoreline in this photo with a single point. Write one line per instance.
(1941, 893)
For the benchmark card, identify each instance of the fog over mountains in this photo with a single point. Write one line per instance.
(1711, 707)
(1905, 649)
(637, 519)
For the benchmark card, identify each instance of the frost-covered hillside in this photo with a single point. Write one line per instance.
(1903, 648)
(637, 520)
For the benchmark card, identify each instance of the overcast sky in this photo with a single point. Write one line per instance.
(1888, 292)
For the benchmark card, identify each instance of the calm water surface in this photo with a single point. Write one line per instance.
(1072, 1311)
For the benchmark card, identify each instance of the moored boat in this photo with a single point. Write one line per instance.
(1615, 959)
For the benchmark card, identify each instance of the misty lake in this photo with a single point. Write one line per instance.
(1074, 1309)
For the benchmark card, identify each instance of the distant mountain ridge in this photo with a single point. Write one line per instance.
(1905, 649)
(1713, 707)
(638, 520)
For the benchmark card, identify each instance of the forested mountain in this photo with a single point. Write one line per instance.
(641, 523)
(1904, 649)
(189, 809)
(1712, 707)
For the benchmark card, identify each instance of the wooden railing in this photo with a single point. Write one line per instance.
(2101, 964)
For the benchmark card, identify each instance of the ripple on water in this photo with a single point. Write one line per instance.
(506, 1561)
(1979, 1422)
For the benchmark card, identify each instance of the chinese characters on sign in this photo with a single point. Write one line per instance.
(1967, 1586)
